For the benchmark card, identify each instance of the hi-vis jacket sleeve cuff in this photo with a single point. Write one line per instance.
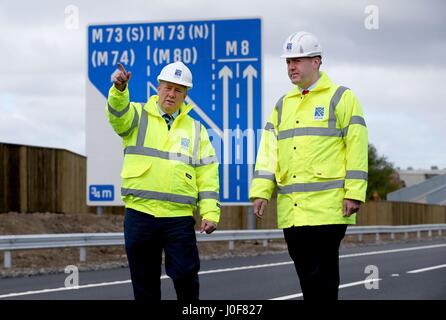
(261, 188)
(355, 195)
(210, 210)
(118, 100)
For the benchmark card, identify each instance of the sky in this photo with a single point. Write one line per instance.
(390, 53)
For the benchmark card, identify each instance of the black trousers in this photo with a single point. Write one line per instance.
(145, 238)
(315, 252)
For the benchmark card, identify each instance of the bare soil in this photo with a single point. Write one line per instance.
(33, 262)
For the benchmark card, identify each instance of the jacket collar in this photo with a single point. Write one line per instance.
(152, 107)
(323, 83)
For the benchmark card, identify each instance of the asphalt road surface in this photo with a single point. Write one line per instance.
(399, 271)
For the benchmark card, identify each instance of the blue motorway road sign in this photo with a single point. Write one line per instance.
(225, 57)
(101, 193)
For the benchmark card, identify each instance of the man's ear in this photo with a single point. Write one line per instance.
(159, 85)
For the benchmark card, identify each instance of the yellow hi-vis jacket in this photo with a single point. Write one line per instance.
(314, 148)
(165, 173)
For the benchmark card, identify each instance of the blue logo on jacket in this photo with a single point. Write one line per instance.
(319, 113)
(185, 143)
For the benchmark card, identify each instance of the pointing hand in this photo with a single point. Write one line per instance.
(120, 77)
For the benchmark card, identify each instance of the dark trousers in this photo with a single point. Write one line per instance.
(315, 252)
(145, 238)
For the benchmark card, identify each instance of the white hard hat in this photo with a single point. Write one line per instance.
(176, 72)
(301, 44)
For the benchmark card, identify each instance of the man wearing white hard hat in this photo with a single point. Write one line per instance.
(169, 169)
(314, 149)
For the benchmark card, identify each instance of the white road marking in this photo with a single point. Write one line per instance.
(427, 269)
(391, 251)
(346, 285)
(103, 284)
(231, 269)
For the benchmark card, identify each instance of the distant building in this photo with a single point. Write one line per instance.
(421, 186)
(412, 177)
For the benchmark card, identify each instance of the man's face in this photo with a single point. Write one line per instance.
(302, 70)
(171, 96)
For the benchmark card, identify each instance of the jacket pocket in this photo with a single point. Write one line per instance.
(329, 172)
(185, 181)
(133, 168)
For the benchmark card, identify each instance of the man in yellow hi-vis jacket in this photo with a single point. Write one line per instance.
(314, 149)
(169, 167)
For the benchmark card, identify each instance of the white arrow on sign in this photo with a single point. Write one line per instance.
(250, 72)
(225, 73)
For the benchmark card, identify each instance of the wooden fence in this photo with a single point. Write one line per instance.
(371, 213)
(34, 179)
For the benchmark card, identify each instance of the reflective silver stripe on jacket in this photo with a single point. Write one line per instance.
(133, 125)
(309, 131)
(196, 148)
(354, 120)
(140, 149)
(117, 113)
(153, 195)
(208, 195)
(207, 160)
(357, 120)
(279, 106)
(333, 103)
(357, 174)
(270, 127)
(142, 127)
(146, 151)
(264, 175)
(311, 186)
(331, 131)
